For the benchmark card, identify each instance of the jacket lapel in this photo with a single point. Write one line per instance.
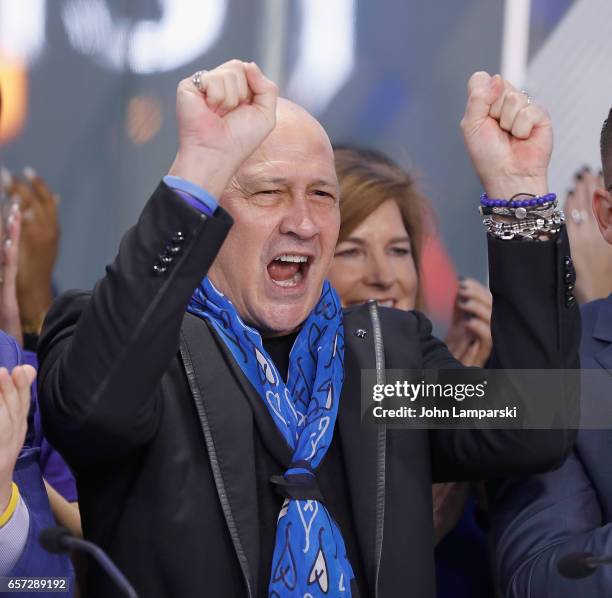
(360, 443)
(227, 425)
(604, 358)
(222, 396)
(603, 332)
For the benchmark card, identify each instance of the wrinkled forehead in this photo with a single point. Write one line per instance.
(297, 147)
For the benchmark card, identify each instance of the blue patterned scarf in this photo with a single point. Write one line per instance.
(309, 555)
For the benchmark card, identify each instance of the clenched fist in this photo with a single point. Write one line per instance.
(509, 139)
(221, 124)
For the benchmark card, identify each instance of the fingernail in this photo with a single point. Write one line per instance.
(11, 215)
(7, 243)
(6, 178)
(29, 173)
(14, 206)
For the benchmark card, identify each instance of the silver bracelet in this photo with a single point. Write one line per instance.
(529, 228)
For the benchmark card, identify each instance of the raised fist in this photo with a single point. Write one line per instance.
(508, 137)
(222, 122)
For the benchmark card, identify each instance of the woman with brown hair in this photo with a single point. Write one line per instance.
(385, 221)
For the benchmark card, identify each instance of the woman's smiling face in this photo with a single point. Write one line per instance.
(375, 262)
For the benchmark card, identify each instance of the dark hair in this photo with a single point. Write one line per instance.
(367, 179)
(605, 142)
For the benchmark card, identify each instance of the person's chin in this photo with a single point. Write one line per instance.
(287, 309)
(277, 320)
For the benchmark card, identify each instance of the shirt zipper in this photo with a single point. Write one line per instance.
(379, 351)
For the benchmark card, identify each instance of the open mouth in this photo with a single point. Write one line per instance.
(289, 269)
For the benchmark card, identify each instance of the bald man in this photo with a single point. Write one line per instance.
(216, 433)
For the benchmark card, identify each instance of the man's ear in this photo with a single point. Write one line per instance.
(602, 208)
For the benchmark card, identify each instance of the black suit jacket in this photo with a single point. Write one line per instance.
(539, 519)
(153, 416)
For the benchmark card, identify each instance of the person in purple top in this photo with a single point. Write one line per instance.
(25, 456)
(56, 473)
(24, 505)
(25, 298)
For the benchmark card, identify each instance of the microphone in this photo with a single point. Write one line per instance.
(58, 540)
(580, 564)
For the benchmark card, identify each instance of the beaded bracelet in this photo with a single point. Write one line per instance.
(537, 200)
(541, 206)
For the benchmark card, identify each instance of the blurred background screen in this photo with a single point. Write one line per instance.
(88, 90)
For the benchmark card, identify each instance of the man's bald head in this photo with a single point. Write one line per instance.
(295, 128)
(288, 112)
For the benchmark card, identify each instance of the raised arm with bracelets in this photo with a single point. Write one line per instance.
(535, 323)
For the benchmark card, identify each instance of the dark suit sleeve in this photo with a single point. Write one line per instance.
(533, 327)
(537, 520)
(102, 354)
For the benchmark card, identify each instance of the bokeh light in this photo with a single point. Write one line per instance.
(14, 87)
(143, 119)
